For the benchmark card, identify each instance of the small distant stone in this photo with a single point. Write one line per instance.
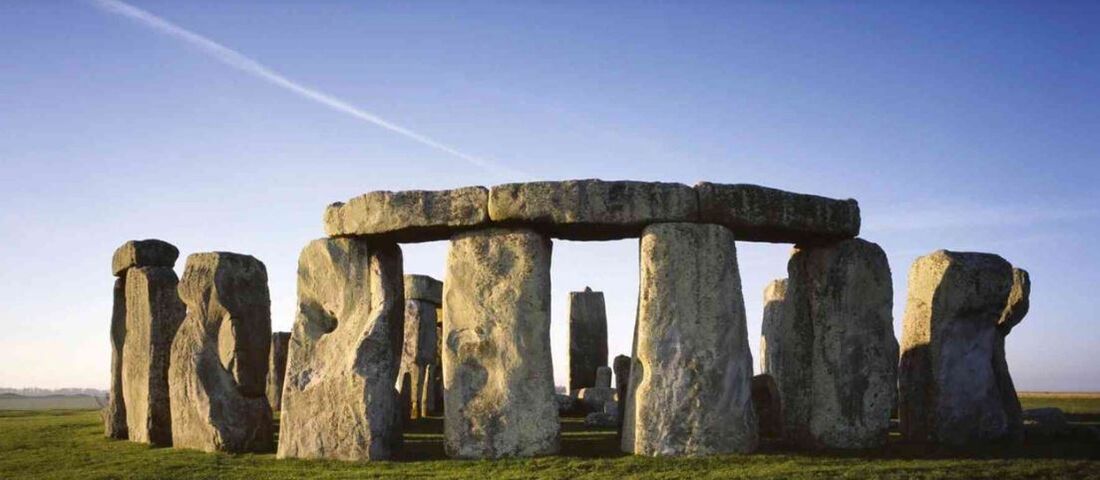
(601, 420)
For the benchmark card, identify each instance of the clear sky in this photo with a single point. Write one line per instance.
(959, 125)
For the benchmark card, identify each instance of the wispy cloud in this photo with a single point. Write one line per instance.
(942, 216)
(252, 67)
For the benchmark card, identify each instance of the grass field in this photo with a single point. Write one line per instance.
(70, 444)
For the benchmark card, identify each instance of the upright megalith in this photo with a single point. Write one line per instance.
(219, 357)
(276, 369)
(786, 354)
(1019, 301)
(840, 296)
(339, 400)
(497, 368)
(587, 337)
(621, 366)
(689, 388)
(423, 295)
(114, 415)
(143, 253)
(949, 390)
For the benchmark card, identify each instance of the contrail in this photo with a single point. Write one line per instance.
(252, 67)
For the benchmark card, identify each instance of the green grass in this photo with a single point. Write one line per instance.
(70, 444)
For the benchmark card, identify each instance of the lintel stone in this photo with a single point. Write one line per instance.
(409, 216)
(143, 253)
(762, 214)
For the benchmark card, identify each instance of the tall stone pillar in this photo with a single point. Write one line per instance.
(114, 418)
(497, 366)
(949, 390)
(339, 400)
(841, 294)
(219, 362)
(621, 365)
(147, 314)
(587, 338)
(1019, 301)
(690, 391)
(423, 295)
(786, 354)
(276, 369)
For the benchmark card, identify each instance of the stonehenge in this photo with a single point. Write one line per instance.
(218, 371)
(195, 365)
(587, 338)
(276, 369)
(499, 398)
(689, 390)
(828, 341)
(951, 391)
(339, 400)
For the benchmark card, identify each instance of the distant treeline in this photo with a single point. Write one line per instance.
(44, 392)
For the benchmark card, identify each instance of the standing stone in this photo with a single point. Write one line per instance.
(621, 365)
(769, 410)
(431, 395)
(114, 418)
(277, 369)
(419, 350)
(143, 253)
(786, 354)
(1019, 301)
(949, 391)
(220, 355)
(153, 314)
(603, 377)
(842, 293)
(587, 337)
(690, 391)
(496, 356)
(339, 400)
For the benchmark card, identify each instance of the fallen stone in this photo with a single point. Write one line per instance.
(143, 253)
(219, 356)
(594, 398)
(114, 416)
(153, 314)
(600, 420)
(612, 408)
(690, 390)
(566, 403)
(765, 402)
(948, 387)
(603, 376)
(1046, 422)
(425, 288)
(277, 369)
(591, 209)
(499, 400)
(409, 216)
(339, 400)
(844, 294)
(587, 337)
(761, 214)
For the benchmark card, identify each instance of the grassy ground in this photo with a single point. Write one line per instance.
(69, 444)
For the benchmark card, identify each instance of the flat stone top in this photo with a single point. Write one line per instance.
(143, 253)
(423, 287)
(595, 209)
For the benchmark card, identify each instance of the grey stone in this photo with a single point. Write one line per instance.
(219, 356)
(587, 337)
(566, 403)
(689, 388)
(768, 408)
(1046, 422)
(153, 314)
(114, 416)
(603, 376)
(276, 372)
(592, 209)
(339, 400)
(1013, 314)
(786, 353)
(762, 214)
(423, 287)
(612, 408)
(143, 253)
(594, 398)
(499, 400)
(621, 365)
(409, 216)
(431, 395)
(1019, 301)
(948, 386)
(842, 295)
(601, 420)
(419, 350)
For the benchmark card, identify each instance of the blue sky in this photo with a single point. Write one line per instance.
(960, 125)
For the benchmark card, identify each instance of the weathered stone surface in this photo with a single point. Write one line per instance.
(594, 398)
(587, 337)
(1046, 422)
(592, 209)
(600, 420)
(768, 408)
(114, 415)
(1013, 314)
(603, 376)
(776, 332)
(762, 214)
(1019, 301)
(499, 400)
(276, 369)
(948, 387)
(842, 293)
(786, 354)
(621, 365)
(689, 388)
(419, 350)
(339, 400)
(432, 403)
(566, 403)
(143, 253)
(409, 216)
(423, 287)
(219, 356)
(153, 314)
